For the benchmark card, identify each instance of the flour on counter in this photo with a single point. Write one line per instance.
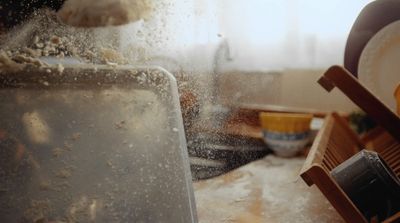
(95, 13)
(264, 191)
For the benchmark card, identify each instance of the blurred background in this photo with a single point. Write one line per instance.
(232, 59)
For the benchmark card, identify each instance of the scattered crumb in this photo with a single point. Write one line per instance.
(68, 146)
(64, 173)
(76, 136)
(37, 127)
(120, 125)
(78, 208)
(33, 162)
(37, 210)
(60, 68)
(57, 152)
(45, 185)
(110, 164)
(111, 64)
(36, 39)
(62, 186)
(6, 64)
(31, 52)
(55, 40)
(39, 45)
(111, 56)
(92, 210)
(29, 60)
(61, 55)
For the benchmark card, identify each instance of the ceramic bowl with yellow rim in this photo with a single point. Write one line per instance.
(286, 133)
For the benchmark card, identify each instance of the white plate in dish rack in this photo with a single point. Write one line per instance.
(379, 65)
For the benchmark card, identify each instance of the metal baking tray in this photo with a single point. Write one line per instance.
(93, 144)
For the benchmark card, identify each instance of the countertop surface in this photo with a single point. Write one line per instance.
(268, 191)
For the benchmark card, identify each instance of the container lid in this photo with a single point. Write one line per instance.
(93, 144)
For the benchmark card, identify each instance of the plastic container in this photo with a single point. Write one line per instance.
(93, 144)
(285, 133)
(370, 184)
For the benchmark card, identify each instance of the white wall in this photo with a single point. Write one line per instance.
(269, 34)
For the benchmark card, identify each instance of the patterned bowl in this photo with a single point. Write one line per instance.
(286, 134)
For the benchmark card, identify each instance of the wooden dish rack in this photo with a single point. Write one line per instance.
(336, 142)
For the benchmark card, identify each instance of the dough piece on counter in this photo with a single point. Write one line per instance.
(96, 13)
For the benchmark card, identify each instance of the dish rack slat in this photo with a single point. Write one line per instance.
(316, 171)
(337, 142)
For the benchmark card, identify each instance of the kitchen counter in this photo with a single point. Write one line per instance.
(265, 191)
